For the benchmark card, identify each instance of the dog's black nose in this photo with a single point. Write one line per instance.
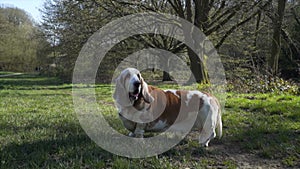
(136, 84)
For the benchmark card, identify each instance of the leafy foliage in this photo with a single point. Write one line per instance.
(19, 42)
(264, 84)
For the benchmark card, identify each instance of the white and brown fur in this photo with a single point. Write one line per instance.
(137, 100)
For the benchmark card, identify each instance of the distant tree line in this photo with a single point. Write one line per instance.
(253, 37)
(20, 40)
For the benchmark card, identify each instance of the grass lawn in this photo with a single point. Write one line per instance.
(5, 73)
(39, 129)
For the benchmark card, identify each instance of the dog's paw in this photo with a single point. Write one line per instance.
(131, 134)
(139, 135)
(204, 144)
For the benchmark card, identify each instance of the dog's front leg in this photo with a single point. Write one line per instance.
(139, 130)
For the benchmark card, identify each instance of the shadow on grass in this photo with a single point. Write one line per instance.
(274, 144)
(73, 150)
(253, 147)
(34, 95)
(28, 80)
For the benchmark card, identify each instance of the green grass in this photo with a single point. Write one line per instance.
(265, 124)
(5, 73)
(39, 129)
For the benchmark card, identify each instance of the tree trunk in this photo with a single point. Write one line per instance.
(254, 55)
(166, 77)
(276, 39)
(197, 68)
(199, 72)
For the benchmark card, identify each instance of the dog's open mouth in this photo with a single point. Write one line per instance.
(134, 95)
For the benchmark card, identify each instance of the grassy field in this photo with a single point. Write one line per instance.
(39, 129)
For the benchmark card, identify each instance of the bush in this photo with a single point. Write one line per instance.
(263, 84)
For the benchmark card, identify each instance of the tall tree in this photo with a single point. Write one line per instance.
(217, 19)
(18, 43)
(277, 20)
(68, 25)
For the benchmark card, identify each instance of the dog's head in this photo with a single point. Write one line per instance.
(130, 86)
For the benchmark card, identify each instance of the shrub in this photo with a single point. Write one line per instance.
(263, 84)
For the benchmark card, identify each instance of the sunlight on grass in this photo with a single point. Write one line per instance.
(267, 124)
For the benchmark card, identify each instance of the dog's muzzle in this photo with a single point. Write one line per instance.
(134, 95)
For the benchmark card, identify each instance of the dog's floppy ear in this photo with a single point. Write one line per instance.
(121, 95)
(145, 92)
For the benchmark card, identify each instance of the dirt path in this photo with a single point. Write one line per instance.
(223, 151)
(244, 160)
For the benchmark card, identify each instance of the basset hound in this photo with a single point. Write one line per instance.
(144, 108)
